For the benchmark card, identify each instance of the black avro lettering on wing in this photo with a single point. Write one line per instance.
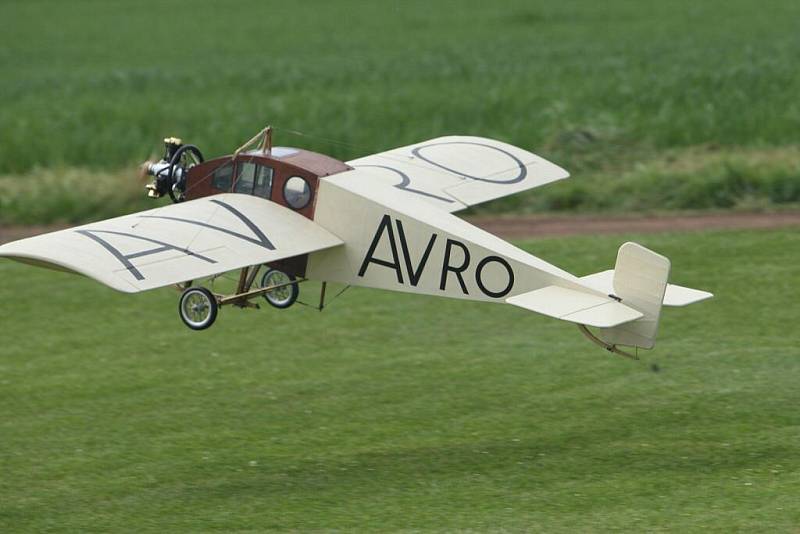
(260, 239)
(124, 259)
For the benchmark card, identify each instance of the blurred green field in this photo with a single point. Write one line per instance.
(390, 411)
(690, 105)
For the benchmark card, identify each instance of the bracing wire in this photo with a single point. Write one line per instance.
(406, 160)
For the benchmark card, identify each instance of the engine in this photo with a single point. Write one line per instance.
(170, 174)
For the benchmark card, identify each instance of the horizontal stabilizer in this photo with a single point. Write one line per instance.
(576, 306)
(674, 296)
(683, 296)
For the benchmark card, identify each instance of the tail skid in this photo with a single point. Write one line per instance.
(623, 304)
(610, 348)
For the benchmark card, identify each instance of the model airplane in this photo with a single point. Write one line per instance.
(383, 221)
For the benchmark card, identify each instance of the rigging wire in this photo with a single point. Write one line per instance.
(406, 160)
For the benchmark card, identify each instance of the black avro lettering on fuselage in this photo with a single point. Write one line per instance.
(384, 226)
(414, 275)
(454, 265)
(446, 267)
(479, 276)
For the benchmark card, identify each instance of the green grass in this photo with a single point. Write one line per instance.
(392, 411)
(606, 89)
(70, 195)
(696, 179)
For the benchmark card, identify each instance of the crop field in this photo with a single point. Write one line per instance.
(672, 105)
(388, 412)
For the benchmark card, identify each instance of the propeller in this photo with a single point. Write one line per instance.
(171, 172)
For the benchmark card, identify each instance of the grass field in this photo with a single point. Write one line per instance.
(390, 411)
(691, 105)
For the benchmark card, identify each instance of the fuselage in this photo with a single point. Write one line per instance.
(392, 241)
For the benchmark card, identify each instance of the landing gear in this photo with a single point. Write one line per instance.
(286, 289)
(198, 308)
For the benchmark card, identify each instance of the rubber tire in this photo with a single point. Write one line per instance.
(294, 287)
(212, 316)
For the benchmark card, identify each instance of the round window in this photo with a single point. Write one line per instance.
(296, 192)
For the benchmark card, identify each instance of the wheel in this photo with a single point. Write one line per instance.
(198, 308)
(280, 297)
(184, 159)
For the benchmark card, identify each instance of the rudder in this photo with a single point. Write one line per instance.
(640, 281)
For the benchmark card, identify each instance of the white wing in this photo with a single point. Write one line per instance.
(457, 171)
(176, 243)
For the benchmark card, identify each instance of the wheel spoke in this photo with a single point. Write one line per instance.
(283, 288)
(196, 307)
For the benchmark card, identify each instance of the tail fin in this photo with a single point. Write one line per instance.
(623, 304)
(639, 280)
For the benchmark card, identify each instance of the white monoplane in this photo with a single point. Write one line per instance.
(384, 221)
